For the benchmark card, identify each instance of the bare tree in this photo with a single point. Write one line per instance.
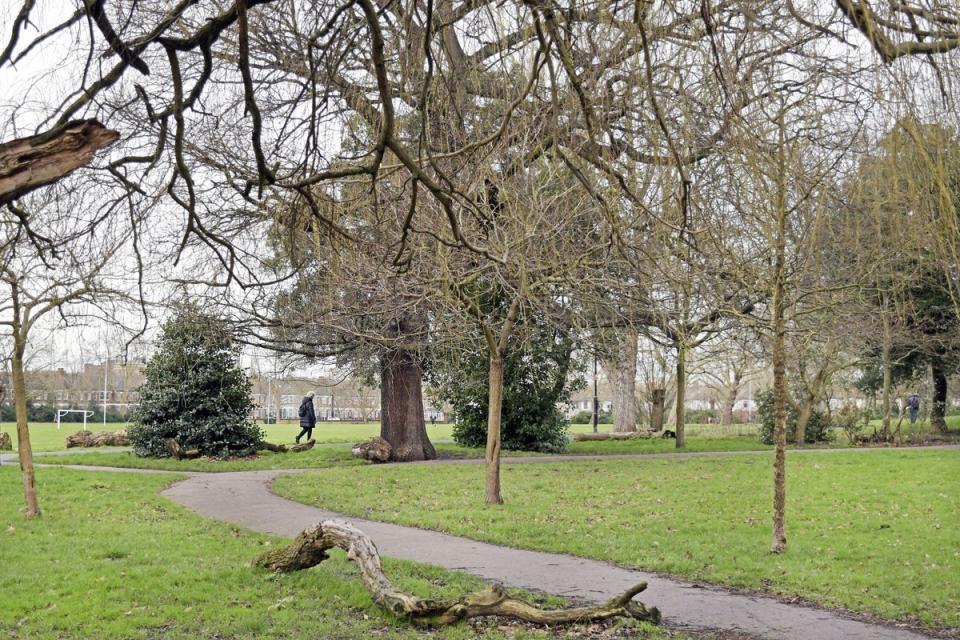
(67, 278)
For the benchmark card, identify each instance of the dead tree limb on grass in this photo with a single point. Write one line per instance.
(310, 549)
(282, 448)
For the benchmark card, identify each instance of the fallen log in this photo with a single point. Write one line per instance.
(6, 444)
(374, 450)
(311, 546)
(306, 446)
(282, 448)
(614, 435)
(97, 439)
(179, 452)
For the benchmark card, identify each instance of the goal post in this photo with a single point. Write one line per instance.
(87, 413)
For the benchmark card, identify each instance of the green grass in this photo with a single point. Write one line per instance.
(109, 558)
(661, 445)
(876, 532)
(44, 436)
(327, 455)
(320, 456)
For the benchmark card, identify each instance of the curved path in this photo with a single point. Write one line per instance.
(246, 499)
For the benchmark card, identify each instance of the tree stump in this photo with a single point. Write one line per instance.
(6, 443)
(376, 450)
(310, 548)
(97, 439)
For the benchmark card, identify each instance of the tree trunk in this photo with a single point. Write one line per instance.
(938, 409)
(803, 418)
(622, 371)
(494, 410)
(658, 398)
(887, 368)
(681, 393)
(729, 403)
(24, 449)
(779, 330)
(401, 403)
(29, 163)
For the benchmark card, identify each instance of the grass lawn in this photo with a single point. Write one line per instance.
(872, 531)
(109, 558)
(320, 456)
(328, 455)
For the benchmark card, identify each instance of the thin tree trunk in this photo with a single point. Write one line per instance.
(401, 398)
(494, 409)
(938, 409)
(623, 374)
(778, 327)
(887, 368)
(658, 398)
(681, 393)
(24, 449)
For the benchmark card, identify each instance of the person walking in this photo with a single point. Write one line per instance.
(308, 418)
(913, 405)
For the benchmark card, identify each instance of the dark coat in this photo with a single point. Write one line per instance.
(308, 417)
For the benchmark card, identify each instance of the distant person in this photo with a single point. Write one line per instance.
(308, 418)
(913, 405)
(433, 419)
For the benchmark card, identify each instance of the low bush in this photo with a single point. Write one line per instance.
(818, 427)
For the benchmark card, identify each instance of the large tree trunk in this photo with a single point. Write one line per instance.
(729, 403)
(24, 449)
(658, 398)
(29, 163)
(401, 405)
(494, 410)
(681, 393)
(803, 418)
(938, 409)
(622, 371)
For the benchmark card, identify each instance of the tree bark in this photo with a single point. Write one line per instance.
(779, 356)
(29, 163)
(311, 546)
(938, 409)
(622, 371)
(24, 450)
(729, 403)
(401, 406)
(803, 418)
(681, 393)
(492, 493)
(885, 354)
(658, 398)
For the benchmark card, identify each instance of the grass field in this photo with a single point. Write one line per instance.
(875, 531)
(109, 558)
(44, 436)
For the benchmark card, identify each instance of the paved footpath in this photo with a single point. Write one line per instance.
(246, 499)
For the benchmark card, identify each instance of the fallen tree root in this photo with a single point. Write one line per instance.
(310, 547)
